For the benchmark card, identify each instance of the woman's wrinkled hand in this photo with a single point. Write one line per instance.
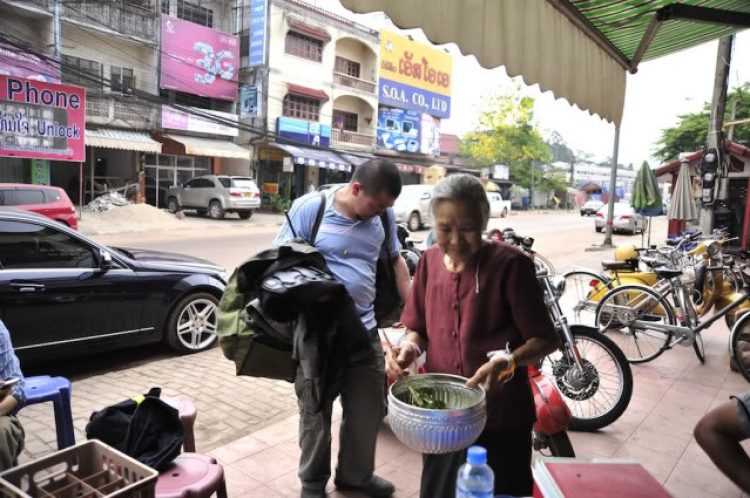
(397, 360)
(488, 374)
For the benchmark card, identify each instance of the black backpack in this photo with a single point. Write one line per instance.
(388, 304)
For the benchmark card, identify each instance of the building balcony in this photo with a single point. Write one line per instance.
(120, 112)
(122, 17)
(365, 86)
(353, 138)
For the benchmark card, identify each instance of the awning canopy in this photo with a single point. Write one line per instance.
(308, 92)
(578, 49)
(733, 148)
(308, 30)
(356, 160)
(210, 147)
(315, 157)
(123, 140)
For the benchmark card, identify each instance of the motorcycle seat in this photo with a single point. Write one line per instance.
(668, 273)
(611, 264)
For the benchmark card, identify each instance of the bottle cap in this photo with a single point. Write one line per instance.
(477, 455)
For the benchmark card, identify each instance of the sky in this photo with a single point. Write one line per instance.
(657, 94)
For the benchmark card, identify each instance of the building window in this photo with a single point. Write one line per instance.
(305, 108)
(303, 46)
(82, 72)
(346, 121)
(165, 7)
(345, 66)
(195, 13)
(245, 43)
(122, 79)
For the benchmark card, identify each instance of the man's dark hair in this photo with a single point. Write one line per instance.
(377, 176)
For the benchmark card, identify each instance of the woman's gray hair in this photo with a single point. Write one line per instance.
(463, 188)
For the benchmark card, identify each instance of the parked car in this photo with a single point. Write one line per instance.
(498, 207)
(216, 195)
(413, 206)
(66, 295)
(591, 207)
(52, 202)
(625, 219)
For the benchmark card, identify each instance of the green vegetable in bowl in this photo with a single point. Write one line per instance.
(423, 397)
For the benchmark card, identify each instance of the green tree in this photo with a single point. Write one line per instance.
(560, 150)
(691, 132)
(507, 134)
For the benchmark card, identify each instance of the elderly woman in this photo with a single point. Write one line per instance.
(470, 297)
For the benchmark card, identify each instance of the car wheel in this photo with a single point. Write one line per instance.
(215, 210)
(172, 205)
(504, 213)
(245, 215)
(415, 222)
(582, 213)
(191, 327)
(598, 229)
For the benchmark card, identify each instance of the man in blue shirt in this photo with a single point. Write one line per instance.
(12, 399)
(350, 238)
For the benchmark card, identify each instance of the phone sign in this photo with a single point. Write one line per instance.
(42, 120)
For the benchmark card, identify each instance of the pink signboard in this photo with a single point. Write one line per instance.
(42, 120)
(16, 62)
(198, 60)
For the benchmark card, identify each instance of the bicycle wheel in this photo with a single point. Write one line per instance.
(581, 294)
(601, 393)
(700, 349)
(618, 311)
(739, 345)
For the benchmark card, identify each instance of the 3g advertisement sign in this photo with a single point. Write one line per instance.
(414, 76)
(198, 60)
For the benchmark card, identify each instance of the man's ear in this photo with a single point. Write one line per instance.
(357, 189)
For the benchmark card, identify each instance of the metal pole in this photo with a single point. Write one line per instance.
(531, 187)
(715, 124)
(80, 191)
(612, 191)
(57, 28)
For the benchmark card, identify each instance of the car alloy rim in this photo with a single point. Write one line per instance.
(214, 210)
(196, 327)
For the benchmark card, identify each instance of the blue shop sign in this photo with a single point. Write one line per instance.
(396, 94)
(304, 132)
(257, 33)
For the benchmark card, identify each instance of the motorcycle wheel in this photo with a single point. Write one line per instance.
(560, 445)
(600, 400)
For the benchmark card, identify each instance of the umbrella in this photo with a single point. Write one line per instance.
(646, 199)
(682, 206)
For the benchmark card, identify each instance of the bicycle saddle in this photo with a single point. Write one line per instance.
(668, 273)
(611, 264)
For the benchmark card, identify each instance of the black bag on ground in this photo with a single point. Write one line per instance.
(145, 428)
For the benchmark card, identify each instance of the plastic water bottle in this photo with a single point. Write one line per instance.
(475, 477)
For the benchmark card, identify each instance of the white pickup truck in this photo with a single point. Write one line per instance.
(498, 207)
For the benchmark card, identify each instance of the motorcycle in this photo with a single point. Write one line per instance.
(409, 251)
(590, 370)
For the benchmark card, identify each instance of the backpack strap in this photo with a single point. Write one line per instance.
(318, 219)
(386, 228)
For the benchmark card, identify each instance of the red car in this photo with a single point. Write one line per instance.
(52, 202)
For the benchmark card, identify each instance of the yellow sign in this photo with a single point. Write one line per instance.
(272, 155)
(270, 188)
(415, 64)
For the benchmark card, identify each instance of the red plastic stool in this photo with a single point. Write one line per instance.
(188, 414)
(192, 475)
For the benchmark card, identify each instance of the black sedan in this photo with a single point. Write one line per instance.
(63, 294)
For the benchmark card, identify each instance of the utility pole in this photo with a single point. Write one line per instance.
(612, 192)
(716, 121)
(531, 187)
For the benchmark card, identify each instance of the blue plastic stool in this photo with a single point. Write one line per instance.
(43, 389)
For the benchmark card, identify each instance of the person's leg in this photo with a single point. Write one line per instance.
(719, 433)
(362, 400)
(11, 441)
(509, 456)
(314, 438)
(439, 474)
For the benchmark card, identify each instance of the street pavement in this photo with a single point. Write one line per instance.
(250, 424)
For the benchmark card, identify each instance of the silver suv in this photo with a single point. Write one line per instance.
(216, 195)
(413, 206)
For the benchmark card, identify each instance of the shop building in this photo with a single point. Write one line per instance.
(311, 81)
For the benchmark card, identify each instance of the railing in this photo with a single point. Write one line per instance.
(324, 13)
(352, 137)
(104, 109)
(116, 15)
(355, 83)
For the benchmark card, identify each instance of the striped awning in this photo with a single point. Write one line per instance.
(122, 140)
(210, 147)
(578, 49)
(315, 157)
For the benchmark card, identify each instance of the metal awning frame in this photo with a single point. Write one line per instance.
(672, 12)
